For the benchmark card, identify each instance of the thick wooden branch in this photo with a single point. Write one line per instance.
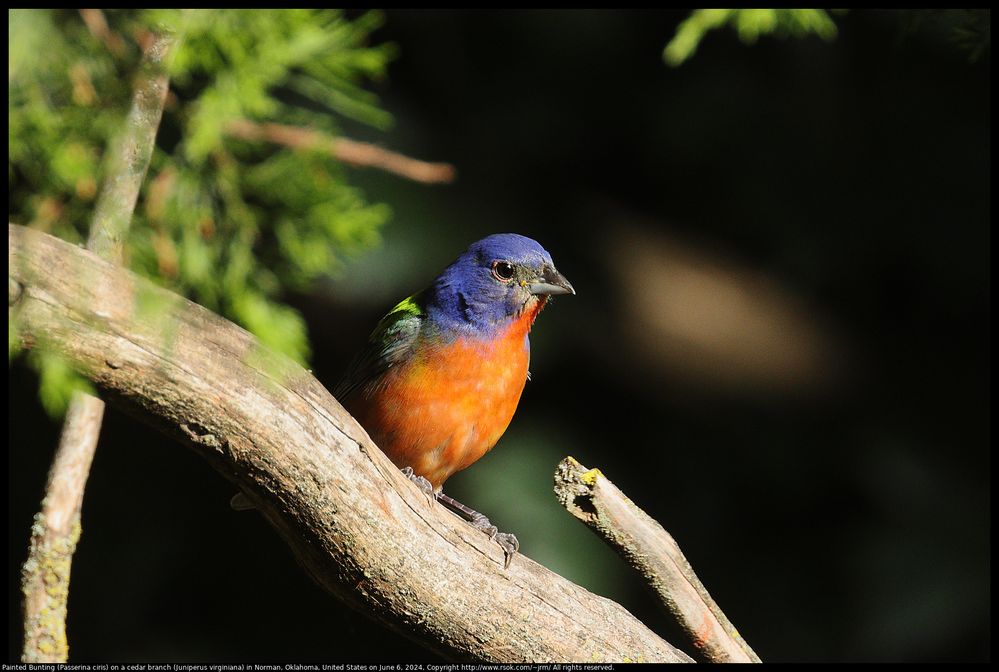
(357, 526)
(592, 498)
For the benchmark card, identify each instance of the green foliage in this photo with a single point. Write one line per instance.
(229, 222)
(749, 24)
(57, 381)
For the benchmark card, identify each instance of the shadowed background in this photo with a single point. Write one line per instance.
(779, 347)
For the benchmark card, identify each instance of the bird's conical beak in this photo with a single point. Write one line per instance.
(550, 282)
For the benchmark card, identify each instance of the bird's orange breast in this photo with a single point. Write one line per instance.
(448, 405)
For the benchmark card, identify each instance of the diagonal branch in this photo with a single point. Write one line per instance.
(356, 525)
(129, 156)
(592, 498)
(348, 151)
(98, 26)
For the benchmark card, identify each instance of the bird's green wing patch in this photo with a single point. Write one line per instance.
(390, 342)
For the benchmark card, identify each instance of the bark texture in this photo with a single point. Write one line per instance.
(592, 498)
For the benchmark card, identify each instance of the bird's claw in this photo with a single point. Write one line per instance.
(509, 543)
(510, 546)
(423, 484)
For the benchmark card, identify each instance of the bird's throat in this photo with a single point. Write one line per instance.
(532, 308)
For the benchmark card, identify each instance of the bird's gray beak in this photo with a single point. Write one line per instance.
(549, 283)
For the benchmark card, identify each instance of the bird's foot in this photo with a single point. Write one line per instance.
(506, 541)
(480, 522)
(510, 545)
(423, 484)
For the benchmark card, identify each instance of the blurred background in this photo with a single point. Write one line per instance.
(779, 347)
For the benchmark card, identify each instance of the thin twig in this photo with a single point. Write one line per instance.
(592, 498)
(98, 27)
(56, 530)
(343, 149)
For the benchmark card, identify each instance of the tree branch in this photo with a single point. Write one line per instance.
(130, 153)
(56, 530)
(593, 499)
(358, 527)
(343, 149)
(98, 27)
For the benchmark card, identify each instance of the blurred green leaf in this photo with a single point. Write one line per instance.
(277, 326)
(750, 24)
(58, 381)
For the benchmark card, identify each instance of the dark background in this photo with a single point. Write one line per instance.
(779, 347)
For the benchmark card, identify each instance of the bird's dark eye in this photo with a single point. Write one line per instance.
(503, 271)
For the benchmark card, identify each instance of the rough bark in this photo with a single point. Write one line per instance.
(55, 533)
(592, 498)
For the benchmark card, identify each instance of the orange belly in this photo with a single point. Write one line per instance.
(446, 407)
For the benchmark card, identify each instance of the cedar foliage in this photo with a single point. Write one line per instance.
(229, 223)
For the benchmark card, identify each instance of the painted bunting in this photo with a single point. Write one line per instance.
(441, 375)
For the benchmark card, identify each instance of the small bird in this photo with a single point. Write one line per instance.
(441, 375)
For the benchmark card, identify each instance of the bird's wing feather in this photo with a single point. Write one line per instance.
(391, 342)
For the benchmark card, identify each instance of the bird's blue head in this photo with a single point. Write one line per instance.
(494, 282)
